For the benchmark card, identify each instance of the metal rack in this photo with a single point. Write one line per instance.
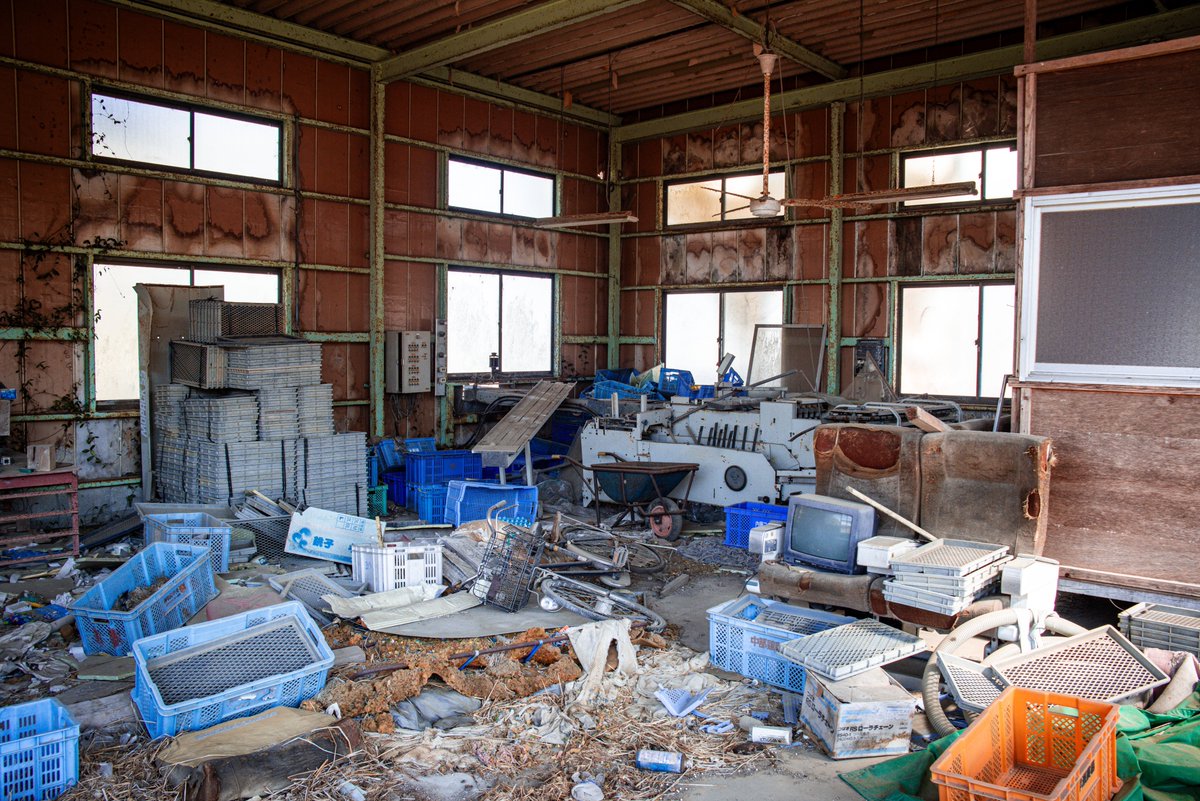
(21, 492)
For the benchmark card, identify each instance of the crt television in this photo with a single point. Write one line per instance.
(824, 532)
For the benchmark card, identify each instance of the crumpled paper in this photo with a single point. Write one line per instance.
(16, 644)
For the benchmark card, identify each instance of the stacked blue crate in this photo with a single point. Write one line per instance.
(428, 474)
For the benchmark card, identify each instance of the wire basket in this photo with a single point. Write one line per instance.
(510, 561)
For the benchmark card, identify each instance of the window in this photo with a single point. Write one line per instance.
(956, 340)
(994, 169)
(116, 313)
(508, 314)
(500, 190)
(183, 138)
(724, 198)
(701, 326)
(1110, 287)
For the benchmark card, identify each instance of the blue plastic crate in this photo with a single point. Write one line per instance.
(39, 751)
(624, 375)
(430, 502)
(441, 467)
(470, 500)
(675, 382)
(372, 468)
(742, 517)
(395, 480)
(603, 390)
(189, 587)
(192, 528)
(198, 676)
(390, 458)
(420, 445)
(741, 641)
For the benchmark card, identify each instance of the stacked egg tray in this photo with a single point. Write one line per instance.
(945, 576)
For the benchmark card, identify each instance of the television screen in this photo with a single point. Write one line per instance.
(822, 533)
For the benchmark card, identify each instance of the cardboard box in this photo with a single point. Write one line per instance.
(322, 534)
(866, 715)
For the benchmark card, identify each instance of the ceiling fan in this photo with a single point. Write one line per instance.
(766, 206)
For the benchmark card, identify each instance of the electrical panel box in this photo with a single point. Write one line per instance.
(407, 356)
(439, 357)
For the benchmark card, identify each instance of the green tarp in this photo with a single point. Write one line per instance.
(1161, 750)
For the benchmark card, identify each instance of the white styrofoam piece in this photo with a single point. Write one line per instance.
(854, 648)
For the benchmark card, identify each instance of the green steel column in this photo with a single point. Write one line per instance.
(833, 338)
(378, 109)
(614, 255)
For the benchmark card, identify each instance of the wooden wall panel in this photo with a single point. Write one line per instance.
(1122, 495)
(1119, 122)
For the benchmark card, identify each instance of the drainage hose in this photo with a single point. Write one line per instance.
(931, 681)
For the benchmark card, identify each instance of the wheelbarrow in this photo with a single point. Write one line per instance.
(641, 488)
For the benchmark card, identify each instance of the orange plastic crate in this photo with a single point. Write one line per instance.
(1033, 746)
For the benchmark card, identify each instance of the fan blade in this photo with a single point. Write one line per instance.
(727, 192)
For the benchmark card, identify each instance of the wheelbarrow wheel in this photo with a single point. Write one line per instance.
(665, 520)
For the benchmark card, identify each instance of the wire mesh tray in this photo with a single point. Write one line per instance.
(932, 600)
(949, 557)
(845, 651)
(971, 583)
(310, 588)
(1099, 665)
(1171, 628)
(973, 688)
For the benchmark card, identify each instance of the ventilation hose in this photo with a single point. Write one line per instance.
(931, 681)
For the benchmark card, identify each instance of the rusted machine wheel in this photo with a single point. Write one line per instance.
(665, 520)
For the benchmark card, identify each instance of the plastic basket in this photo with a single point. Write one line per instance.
(420, 445)
(742, 517)
(39, 751)
(377, 501)
(675, 382)
(192, 528)
(396, 564)
(395, 481)
(1033, 746)
(430, 503)
(198, 676)
(745, 635)
(470, 500)
(188, 588)
(603, 389)
(440, 467)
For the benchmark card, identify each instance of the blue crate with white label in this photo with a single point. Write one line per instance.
(188, 587)
(745, 634)
(198, 676)
(39, 751)
(742, 517)
(192, 528)
(470, 500)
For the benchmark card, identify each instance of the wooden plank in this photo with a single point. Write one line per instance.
(924, 420)
(1113, 388)
(525, 419)
(1108, 56)
(1109, 186)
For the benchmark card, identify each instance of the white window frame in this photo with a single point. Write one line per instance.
(742, 365)
(1035, 208)
(191, 109)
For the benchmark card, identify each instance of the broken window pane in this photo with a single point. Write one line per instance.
(143, 132)
(694, 202)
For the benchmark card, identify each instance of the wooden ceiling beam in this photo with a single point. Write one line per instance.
(509, 30)
(719, 14)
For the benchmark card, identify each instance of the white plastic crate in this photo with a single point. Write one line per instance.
(396, 564)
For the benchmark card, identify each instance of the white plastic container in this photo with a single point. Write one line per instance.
(395, 565)
(876, 553)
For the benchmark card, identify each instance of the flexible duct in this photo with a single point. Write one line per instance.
(932, 679)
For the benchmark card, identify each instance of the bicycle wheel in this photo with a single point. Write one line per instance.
(595, 603)
(642, 558)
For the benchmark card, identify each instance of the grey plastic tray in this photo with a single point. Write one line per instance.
(927, 599)
(854, 648)
(949, 557)
(1099, 665)
(973, 688)
(955, 585)
(1171, 628)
